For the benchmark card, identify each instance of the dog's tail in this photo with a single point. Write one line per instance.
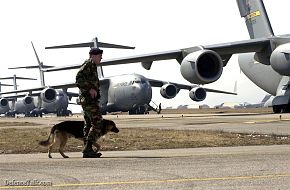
(51, 134)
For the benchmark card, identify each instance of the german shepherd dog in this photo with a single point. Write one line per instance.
(66, 129)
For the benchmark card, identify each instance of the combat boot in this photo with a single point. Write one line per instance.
(88, 151)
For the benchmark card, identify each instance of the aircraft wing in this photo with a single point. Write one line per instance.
(59, 86)
(159, 83)
(219, 91)
(225, 50)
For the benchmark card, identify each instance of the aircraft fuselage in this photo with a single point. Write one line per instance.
(126, 93)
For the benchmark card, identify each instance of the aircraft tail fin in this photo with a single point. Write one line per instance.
(256, 18)
(40, 67)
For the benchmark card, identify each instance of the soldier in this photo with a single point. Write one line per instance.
(88, 82)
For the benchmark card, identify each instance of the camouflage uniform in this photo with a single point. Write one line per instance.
(86, 79)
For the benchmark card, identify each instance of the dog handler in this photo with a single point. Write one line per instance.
(87, 81)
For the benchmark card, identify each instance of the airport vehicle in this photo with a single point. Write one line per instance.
(264, 59)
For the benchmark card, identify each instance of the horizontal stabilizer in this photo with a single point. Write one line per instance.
(91, 44)
(107, 45)
(1, 84)
(31, 67)
(24, 78)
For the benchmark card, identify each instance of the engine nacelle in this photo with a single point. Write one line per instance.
(202, 67)
(197, 94)
(280, 59)
(4, 102)
(27, 100)
(25, 105)
(48, 95)
(4, 106)
(168, 91)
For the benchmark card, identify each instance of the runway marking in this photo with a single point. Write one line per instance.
(158, 181)
(265, 121)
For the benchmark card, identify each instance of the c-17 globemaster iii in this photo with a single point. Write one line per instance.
(129, 92)
(264, 59)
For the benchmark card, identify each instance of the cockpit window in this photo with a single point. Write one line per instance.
(138, 81)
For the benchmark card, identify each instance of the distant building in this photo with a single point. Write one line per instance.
(204, 106)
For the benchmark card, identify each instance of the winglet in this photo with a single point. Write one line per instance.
(93, 43)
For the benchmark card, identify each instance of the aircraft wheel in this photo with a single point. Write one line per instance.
(277, 109)
(141, 110)
(132, 112)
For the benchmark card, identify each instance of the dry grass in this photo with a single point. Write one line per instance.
(26, 140)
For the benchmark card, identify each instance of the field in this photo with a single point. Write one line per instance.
(21, 135)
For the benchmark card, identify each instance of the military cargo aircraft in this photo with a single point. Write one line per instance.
(264, 59)
(11, 106)
(4, 102)
(127, 93)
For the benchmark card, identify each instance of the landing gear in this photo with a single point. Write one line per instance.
(281, 108)
(144, 109)
(139, 111)
(63, 112)
(277, 109)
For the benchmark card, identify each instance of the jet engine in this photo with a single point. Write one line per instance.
(4, 106)
(27, 100)
(168, 91)
(280, 59)
(25, 105)
(3, 102)
(202, 67)
(48, 95)
(197, 94)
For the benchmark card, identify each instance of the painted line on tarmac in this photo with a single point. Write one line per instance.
(265, 121)
(257, 177)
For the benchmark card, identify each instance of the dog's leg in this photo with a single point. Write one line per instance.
(63, 142)
(51, 146)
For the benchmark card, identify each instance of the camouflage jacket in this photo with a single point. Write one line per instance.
(87, 78)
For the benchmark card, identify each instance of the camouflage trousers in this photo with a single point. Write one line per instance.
(93, 120)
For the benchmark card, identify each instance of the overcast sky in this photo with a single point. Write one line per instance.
(149, 25)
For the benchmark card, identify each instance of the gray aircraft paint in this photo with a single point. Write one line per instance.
(256, 18)
(128, 91)
(268, 67)
(256, 69)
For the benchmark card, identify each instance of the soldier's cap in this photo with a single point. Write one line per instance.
(96, 51)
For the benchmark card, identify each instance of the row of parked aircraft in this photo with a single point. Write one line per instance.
(127, 93)
(264, 59)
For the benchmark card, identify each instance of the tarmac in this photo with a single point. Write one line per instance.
(244, 167)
